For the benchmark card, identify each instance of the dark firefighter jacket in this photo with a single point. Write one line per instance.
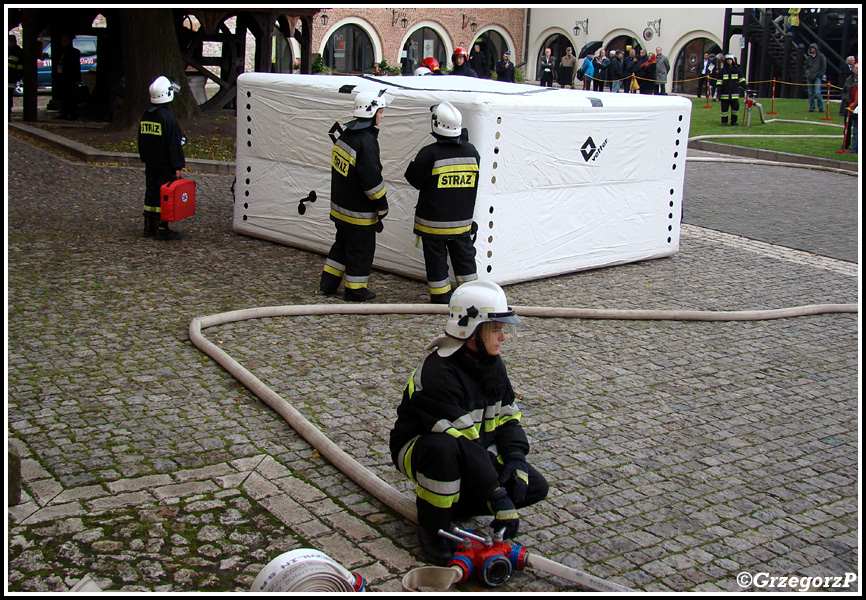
(358, 195)
(160, 140)
(731, 79)
(446, 173)
(473, 403)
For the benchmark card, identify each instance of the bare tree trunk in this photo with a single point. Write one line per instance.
(150, 49)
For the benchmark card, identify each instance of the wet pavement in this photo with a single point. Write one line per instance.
(680, 454)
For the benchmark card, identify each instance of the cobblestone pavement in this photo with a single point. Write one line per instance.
(679, 454)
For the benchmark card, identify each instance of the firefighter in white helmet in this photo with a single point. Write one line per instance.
(446, 175)
(358, 200)
(458, 435)
(160, 147)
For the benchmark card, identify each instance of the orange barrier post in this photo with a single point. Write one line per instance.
(773, 101)
(708, 93)
(827, 116)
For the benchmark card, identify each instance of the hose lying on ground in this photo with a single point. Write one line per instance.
(380, 489)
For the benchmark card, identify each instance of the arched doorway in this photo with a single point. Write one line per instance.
(492, 45)
(557, 44)
(349, 50)
(422, 43)
(687, 67)
(622, 42)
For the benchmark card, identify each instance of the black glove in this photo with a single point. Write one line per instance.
(517, 471)
(504, 513)
(379, 226)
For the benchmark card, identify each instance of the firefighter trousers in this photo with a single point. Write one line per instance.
(447, 487)
(436, 252)
(351, 255)
(730, 107)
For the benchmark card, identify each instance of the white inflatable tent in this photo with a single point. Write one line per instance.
(569, 180)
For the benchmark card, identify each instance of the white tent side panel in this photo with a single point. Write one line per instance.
(569, 180)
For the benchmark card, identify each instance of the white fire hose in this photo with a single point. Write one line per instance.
(432, 577)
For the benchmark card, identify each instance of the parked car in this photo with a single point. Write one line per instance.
(85, 44)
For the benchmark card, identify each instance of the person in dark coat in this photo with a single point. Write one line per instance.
(601, 64)
(505, 68)
(478, 62)
(68, 78)
(646, 74)
(461, 63)
(615, 71)
(547, 69)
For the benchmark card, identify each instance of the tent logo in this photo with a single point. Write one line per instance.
(590, 151)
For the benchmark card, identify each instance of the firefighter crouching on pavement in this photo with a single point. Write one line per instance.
(729, 80)
(160, 147)
(358, 200)
(458, 435)
(446, 173)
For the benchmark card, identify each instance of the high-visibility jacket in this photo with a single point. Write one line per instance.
(731, 79)
(160, 139)
(358, 194)
(469, 401)
(446, 173)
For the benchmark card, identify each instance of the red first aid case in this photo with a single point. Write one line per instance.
(177, 200)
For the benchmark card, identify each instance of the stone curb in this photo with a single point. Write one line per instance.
(771, 155)
(91, 155)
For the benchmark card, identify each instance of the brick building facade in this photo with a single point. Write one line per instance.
(391, 30)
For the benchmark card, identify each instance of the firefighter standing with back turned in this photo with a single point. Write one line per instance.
(446, 173)
(358, 200)
(160, 147)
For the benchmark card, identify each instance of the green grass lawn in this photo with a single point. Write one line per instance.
(209, 148)
(707, 121)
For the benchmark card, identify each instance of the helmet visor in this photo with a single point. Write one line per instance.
(505, 317)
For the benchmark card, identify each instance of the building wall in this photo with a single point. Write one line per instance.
(678, 27)
(384, 27)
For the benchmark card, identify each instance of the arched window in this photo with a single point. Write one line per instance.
(621, 42)
(349, 50)
(492, 45)
(557, 44)
(686, 69)
(422, 43)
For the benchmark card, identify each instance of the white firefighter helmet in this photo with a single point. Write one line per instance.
(446, 120)
(367, 103)
(422, 71)
(474, 303)
(162, 90)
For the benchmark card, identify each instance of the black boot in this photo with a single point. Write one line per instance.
(440, 298)
(329, 283)
(151, 225)
(165, 234)
(358, 295)
(437, 549)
